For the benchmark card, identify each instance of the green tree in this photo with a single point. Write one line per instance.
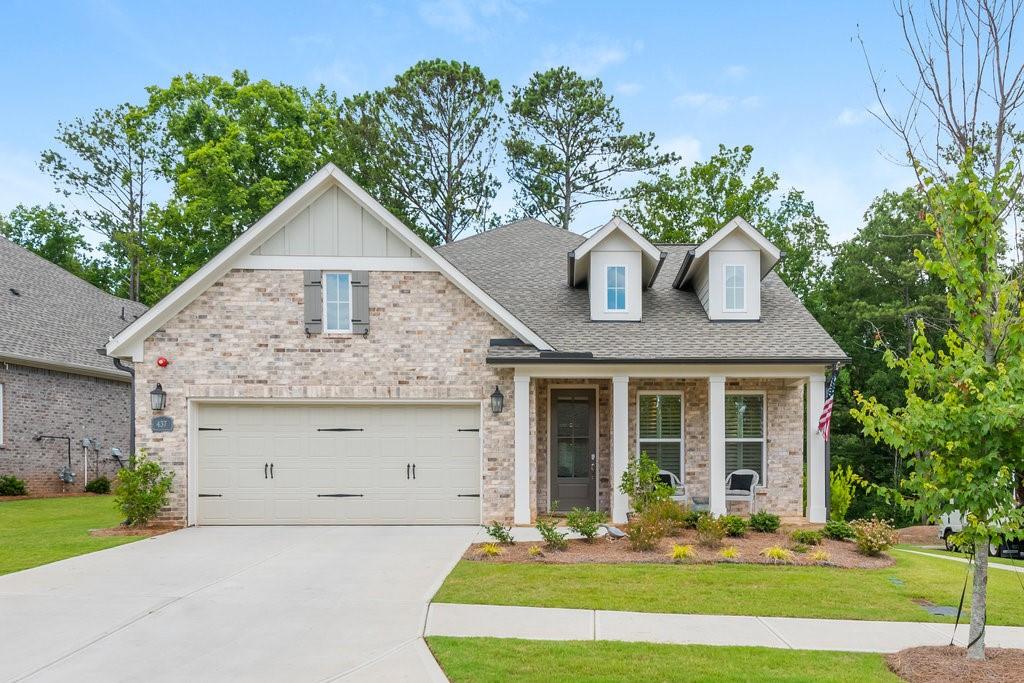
(431, 138)
(692, 204)
(110, 161)
(566, 146)
(231, 150)
(875, 290)
(960, 425)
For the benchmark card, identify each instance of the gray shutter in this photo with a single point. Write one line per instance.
(360, 302)
(313, 301)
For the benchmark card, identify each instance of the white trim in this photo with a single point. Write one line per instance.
(597, 438)
(127, 343)
(747, 229)
(716, 444)
(725, 287)
(626, 229)
(816, 473)
(340, 330)
(625, 288)
(763, 482)
(661, 370)
(682, 426)
(1, 415)
(415, 264)
(521, 419)
(70, 368)
(620, 445)
(193, 404)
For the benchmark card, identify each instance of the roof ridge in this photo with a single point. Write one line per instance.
(528, 219)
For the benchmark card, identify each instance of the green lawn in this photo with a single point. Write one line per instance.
(758, 590)
(494, 659)
(35, 532)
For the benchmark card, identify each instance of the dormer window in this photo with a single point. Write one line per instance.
(616, 288)
(735, 294)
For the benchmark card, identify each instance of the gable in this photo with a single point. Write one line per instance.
(333, 224)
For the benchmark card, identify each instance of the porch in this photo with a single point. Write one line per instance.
(577, 426)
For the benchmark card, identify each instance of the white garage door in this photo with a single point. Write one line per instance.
(338, 464)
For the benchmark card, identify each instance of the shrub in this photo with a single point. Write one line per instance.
(642, 484)
(142, 489)
(585, 522)
(777, 553)
(100, 485)
(800, 548)
(806, 537)
(873, 536)
(691, 517)
(838, 530)
(553, 538)
(672, 515)
(681, 552)
(710, 531)
(501, 534)
(10, 485)
(645, 531)
(535, 551)
(730, 553)
(491, 549)
(821, 556)
(765, 522)
(735, 525)
(841, 486)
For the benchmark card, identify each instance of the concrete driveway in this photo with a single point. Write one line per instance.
(241, 603)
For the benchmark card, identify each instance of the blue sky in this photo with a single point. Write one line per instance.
(786, 77)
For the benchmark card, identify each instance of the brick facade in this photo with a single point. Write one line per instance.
(244, 338)
(40, 401)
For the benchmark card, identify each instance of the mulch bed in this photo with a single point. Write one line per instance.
(38, 496)
(748, 550)
(949, 663)
(122, 530)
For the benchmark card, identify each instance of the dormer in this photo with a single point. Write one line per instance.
(615, 264)
(726, 271)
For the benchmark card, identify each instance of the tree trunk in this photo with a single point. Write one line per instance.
(976, 640)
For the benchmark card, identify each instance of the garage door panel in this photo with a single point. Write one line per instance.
(374, 463)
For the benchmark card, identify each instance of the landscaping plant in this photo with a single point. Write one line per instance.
(12, 486)
(710, 531)
(491, 549)
(765, 522)
(838, 530)
(99, 485)
(777, 553)
(681, 552)
(645, 531)
(730, 553)
(735, 526)
(875, 536)
(841, 485)
(673, 515)
(143, 489)
(553, 538)
(501, 534)
(800, 548)
(642, 484)
(535, 551)
(806, 536)
(821, 556)
(585, 522)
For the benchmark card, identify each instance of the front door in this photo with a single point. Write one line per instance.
(573, 448)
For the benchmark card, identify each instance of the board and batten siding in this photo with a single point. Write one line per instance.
(334, 225)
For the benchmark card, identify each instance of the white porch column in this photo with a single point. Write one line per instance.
(716, 444)
(620, 445)
(815, 450)
(521, 396)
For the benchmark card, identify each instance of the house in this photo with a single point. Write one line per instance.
(330, 367)
(54, 380)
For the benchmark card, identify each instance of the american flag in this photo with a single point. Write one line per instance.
(825, 421)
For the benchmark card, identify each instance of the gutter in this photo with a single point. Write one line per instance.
(582, 359)
(72, 368)
(683, 269)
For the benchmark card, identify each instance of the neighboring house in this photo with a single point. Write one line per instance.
(54, 380)
(330, 367)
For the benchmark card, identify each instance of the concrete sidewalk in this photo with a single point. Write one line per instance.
(991, 565)
(539, 623)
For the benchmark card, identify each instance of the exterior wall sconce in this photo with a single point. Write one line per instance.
(497, 400)
(158, 398)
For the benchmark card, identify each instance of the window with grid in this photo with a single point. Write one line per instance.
(660, 430)
(337, 302)
(744, 434)
(735, 297)
(616, 288)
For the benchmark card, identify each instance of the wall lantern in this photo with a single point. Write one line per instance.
(158, 398)
(497, 400)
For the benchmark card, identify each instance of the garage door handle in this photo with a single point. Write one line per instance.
(475, 429)
(339, 495)
(210, 495)
(414, 470)
(468, 495)
(407, 470)
(264, 470)
(340, 429)
(271, 470)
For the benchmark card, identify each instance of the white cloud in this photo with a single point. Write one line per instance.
(716, 103)
(467, 19)
(628, 89)
(855, 117)
(686, 146)
(736, 72)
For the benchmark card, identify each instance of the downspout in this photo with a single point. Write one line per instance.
(131, 405)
